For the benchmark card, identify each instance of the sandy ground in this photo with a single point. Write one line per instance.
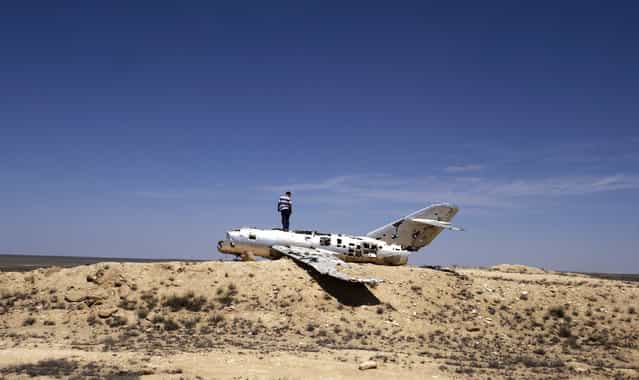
(215, 364)
(276, 320)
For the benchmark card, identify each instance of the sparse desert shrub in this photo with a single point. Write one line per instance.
(55, 368)
(416, 289)
(310, 327)
(555, 363)
(130, 332)
(117, 321)
(29, 321)
(150, 299)
(187, 301)
(492, 363)
(92, 320)
(348, 336)
(171, 325)
(142, 313)
(572, 342)
(196, 303)
(190, 323)
(326, 341)
(530, 361)
(10, 298)
(564, 331)
(108, 341)
(632, 310)
(226, 297)
(49, 323)
(380, 310)
(557, 312)
(465, 370)
(157, 318)
(128, 304)
(216, 319)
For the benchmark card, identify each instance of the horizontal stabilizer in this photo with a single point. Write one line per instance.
(437, 223)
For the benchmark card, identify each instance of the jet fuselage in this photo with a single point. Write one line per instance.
(249, 242)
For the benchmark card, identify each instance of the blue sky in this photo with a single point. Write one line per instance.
(147, 130)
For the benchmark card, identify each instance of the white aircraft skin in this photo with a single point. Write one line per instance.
(248, 242)
(388, 245)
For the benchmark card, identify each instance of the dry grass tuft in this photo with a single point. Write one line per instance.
(187, 301)
(29, 321)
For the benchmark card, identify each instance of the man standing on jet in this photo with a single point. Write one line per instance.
(285, 207)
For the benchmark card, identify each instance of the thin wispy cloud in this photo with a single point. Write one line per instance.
(469, 168)
(468, 191)
(327, 184)
(170, 194)
(565, 186)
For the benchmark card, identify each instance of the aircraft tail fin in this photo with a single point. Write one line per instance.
(418, 229)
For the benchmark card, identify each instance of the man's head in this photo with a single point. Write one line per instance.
(288, 193)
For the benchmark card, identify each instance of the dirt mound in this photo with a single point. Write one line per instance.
(276, 316)
(510, 268)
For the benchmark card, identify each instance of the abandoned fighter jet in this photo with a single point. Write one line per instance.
(387, 245)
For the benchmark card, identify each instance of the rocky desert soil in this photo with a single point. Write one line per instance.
(276, 320)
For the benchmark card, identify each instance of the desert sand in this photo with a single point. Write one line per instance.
(277, 320)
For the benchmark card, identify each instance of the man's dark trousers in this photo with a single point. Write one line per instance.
(286, 217)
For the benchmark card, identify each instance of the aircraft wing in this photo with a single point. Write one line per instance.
(323, 261)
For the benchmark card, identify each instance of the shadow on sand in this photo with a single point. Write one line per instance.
(346, 293)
